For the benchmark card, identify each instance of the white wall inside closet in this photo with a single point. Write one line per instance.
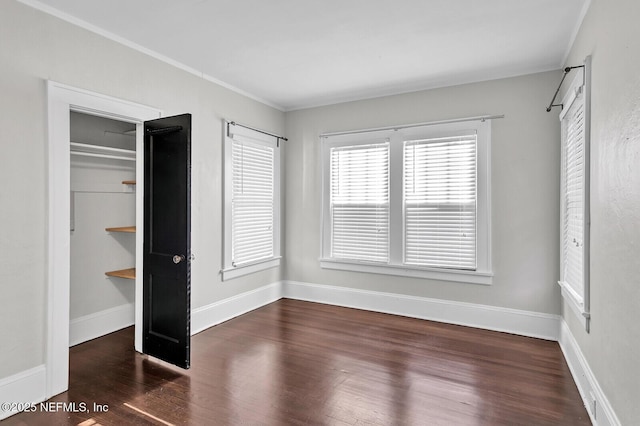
(100, 200)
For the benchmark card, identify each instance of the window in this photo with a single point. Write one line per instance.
(360, 202)
(251, 201)
(412, 201)
(440, 202)
(574, 250)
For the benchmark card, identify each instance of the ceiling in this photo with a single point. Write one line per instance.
(294, 54)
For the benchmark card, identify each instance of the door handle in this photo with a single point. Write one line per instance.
(178, 258)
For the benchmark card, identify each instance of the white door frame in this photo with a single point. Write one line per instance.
(62, 100)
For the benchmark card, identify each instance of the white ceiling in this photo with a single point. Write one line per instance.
(299, 53)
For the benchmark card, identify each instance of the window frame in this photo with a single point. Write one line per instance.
(397, 136)
(578, 91)
(234, 132)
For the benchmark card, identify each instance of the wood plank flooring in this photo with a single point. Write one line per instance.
(302, 363)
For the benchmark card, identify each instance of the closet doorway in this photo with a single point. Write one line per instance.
(62, 102)
(102, 226)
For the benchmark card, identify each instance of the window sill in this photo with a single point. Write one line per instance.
(576, 303)
(470, 277)
(239, 271)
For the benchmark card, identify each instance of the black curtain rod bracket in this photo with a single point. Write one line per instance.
(567, 70)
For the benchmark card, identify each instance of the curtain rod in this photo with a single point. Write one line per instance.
(567, 70)
(407, 126)
(256, 130)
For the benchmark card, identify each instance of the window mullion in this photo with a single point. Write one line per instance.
(396, 200)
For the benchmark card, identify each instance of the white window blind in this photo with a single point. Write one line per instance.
(440, 202)
(359, 198)
(252, 203)
(574, 197)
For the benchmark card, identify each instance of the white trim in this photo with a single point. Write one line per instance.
(524, 323)
(139, 281)
(100, 323)
(576, 30)
(587, 195)
(242, 270)
(470, 277)
(224, 310)
(395, 91)
(128, 43)
(594, 399)
(25, 387)
(60, 100)
(575, 302)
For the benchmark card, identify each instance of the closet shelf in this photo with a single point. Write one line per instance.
(129, 274)
(129, 229)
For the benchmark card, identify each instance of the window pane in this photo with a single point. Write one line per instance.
(440, 190)
(359, 197)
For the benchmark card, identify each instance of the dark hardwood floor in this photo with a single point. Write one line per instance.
(300, 363)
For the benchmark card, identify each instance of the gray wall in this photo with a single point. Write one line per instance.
(610, 33)
(525, 176)
(35, 47)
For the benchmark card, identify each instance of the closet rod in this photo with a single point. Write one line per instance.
(101, 148)
(127, 133)
(92, 154)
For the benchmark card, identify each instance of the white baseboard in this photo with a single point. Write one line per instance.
(100, 323)
(224, 310)
(26, 387)
(525, 323)
(597, 404)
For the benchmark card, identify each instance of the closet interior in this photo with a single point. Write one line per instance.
(102, 222)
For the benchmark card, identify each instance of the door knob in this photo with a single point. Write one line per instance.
(178, 258)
